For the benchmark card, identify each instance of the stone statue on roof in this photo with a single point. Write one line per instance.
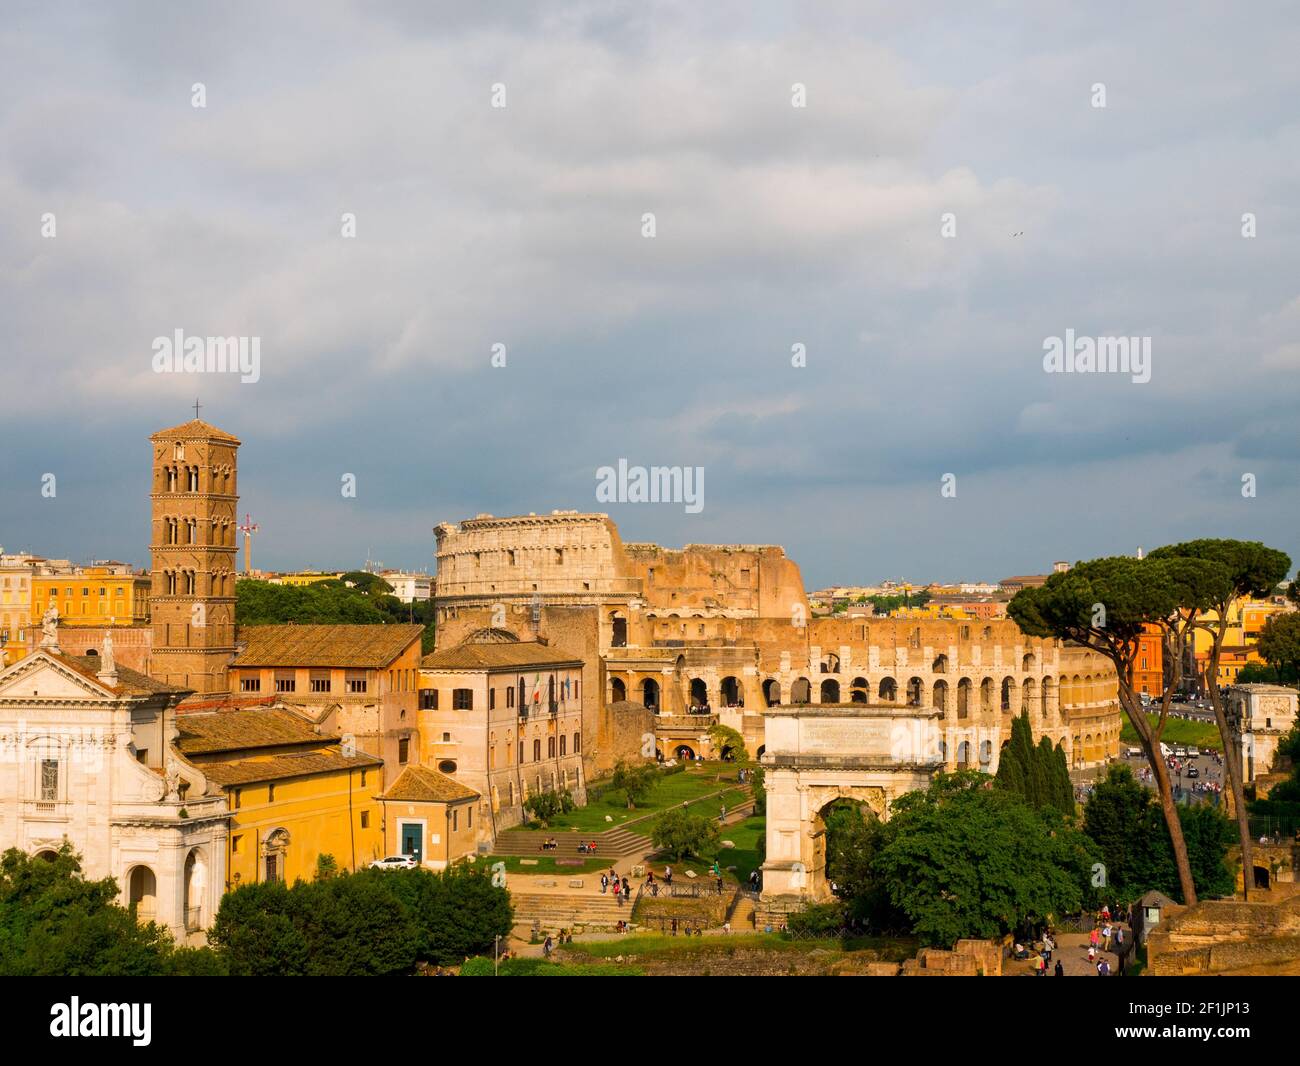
(50, 627)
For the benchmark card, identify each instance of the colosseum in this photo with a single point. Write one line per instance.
(674, 640)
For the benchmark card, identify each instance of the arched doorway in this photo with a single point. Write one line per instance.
(699, 694)
(731, 693)
(1008, 691)
(859, 690)
(142, 893)
(196, 880)
(963, 698)
(650, 694)
(772, 692)
(888, 690)
(801, 691)
(684, 753)
(275, 853)
(617, 690)
(915, 689)
(618, 625)
(847, 826)
(830, 691)
(1047, 698)
(986, 696)
(939, 697)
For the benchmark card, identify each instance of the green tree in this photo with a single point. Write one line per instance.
(854, 838)
(54, 922)
(967, 860)
(759, 789)
(1253, 569)
(544, 806)
(727, 739)
(1105, 605)
(1279, 642)
(634, 779)
(680, 834)
(1016, 763)
(457, 913)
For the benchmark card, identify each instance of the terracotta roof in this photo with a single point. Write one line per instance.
(194, 429)
(295, 764)
(129, 682)
(497, 656)
(361, 647)
(419, 784)
(203, 732)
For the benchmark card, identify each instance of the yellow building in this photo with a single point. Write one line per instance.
(101, 595)
(1240, 644)
(294, 794)
(307, 577)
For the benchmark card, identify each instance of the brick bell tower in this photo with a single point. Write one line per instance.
(193, 551)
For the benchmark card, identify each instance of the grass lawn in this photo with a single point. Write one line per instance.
(654, 944)
(546, 864)
(669, 791)
(1177, 731)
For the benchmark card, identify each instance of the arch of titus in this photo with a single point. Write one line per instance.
(818, 754)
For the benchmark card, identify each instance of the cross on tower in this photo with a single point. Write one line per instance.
(196, 410)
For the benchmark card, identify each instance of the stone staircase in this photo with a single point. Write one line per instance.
(555, 911)
(611, 844)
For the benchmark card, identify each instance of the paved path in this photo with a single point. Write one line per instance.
(1072, 950)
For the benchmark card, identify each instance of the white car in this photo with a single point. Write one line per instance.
(395, 862)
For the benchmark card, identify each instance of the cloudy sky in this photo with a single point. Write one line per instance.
(775, 225)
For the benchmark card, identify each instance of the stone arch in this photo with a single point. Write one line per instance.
(964, 750)
(859, 690)
(618, 629)
(772, 692)
(684, 753)
(196, 883)
(1028, 695)
(732, 692)
(1008, 693)
(801, 691)
(888, 690)
(940, 665)
(1046, 698)
(915, 692)
(761, 748)
(830, 663)
(142, 893)
(650, 694)
(1028, 663)
(830, 692)
(986, 696)
(939, 697)
(699, 692)
(963, 697)
(986, 756)
(617, 690)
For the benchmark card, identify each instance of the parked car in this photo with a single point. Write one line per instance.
(1180, 752)
(1192, 771)
(1134, 753)
(395, 862)
(1193, 753)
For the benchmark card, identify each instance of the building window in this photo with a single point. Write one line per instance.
(577, 743)
(521, 751)
(563, 744)
(537, 751)
(363, 779)
(320, 681)
(270, 793)
(365, 819)
(49, 780)
(235, 799)
(550, 747)
(285, 683)
(492, 699)
(447, 766)
(469, 817)
(403, 750)
(462, 699)
(510, 696)
(356, 682)
(250, 684)
(235, 843)
(428, 699)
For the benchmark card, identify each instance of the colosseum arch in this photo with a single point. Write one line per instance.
(1046, 698)
(859, 691)
(1008, 693)
(830, 692)
(1028, 695)
(732, 692)
(986, 696)
(1028, 664)
(617, 690)
(915, 692)
(772, 692)
(699, 692)
(830, 663)
(940, 665)
(801, 691)
(650, 694)
(888, 690)
(963, 697)
(939, 697)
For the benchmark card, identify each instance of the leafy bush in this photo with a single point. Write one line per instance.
(821, 920)
(681, 834)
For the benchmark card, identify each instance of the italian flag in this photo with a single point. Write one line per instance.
(537, 689)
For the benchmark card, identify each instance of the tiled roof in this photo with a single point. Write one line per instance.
(129, 682)
(194, 429)
(360, 647)
(419, 784)
(296, 764)
(203, 732)
(495, 656)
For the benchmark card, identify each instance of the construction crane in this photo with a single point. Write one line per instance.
(248, 529)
